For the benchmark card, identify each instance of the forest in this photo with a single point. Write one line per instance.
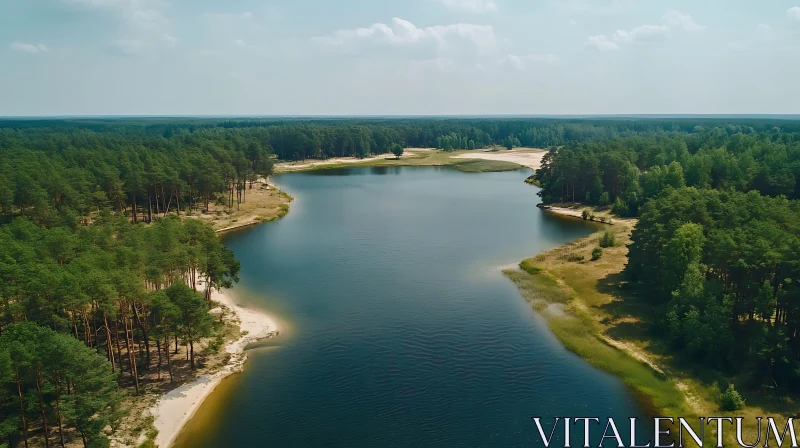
(104, 271)
(716, 249)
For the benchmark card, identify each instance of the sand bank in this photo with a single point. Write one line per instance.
(529, 157)
(285, 167)
(176, 407)
(575, 213)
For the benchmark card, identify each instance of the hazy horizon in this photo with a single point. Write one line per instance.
(420, 116)
(398, 58)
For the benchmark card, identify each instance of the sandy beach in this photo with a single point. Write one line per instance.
(175, 408)
(574, 213)
(529, 157)
(284, 167)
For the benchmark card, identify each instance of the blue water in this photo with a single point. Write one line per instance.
(401, 329)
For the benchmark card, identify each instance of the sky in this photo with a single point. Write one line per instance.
(398, 57)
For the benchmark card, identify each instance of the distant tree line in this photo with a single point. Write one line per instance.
(717, 244)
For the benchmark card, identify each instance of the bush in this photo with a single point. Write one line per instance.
(575, 257)
(597, 252)
(585, 214)
(731, 400)
(620, 207)
(529, 267)
(608, 240)
(603, 199)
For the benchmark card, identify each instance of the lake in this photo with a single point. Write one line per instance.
(399, 328)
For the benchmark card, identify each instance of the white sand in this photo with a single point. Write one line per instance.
(298, 166)
(564, 211)
(175, 408)
(532, 158)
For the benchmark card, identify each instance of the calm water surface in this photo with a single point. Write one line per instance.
(401, 329)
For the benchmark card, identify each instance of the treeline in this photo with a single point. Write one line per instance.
(57, 177)
(56, 170)
(626, 172)
(83, 306)
(717, 243)
(301, 138)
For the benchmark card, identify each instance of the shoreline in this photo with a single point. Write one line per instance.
(263, 202)
(585, 305)
(476, 160)
(571, 213)
(175, 408)
(558, 290)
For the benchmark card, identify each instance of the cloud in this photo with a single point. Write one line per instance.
(522, 62)
(793, 13)
(471, 6)
(677, 19)
(601, 43)
(671, 21)
(644, 33)
(28, 48)
(402, 33)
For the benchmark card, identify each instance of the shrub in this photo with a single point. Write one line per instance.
(597, 252)
(731, 400)
(529, 267)
(575, 257)
(585, 214)
(620, 207)
(603, 199)
(591, 216)
(608, 240)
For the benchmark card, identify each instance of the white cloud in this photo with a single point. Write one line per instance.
(671, 21)
(602, 43)
(243, 44)
(793, 12)
(404, 33)
(677, 19)
(644, 33)
(28, 48)
(522, 62)
(471, 6)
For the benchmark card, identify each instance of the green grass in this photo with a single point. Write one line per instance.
(485, 166)
(579, 333)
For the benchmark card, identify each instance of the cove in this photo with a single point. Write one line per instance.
(402, 329)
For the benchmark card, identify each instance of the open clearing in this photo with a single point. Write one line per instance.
(529, 157)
